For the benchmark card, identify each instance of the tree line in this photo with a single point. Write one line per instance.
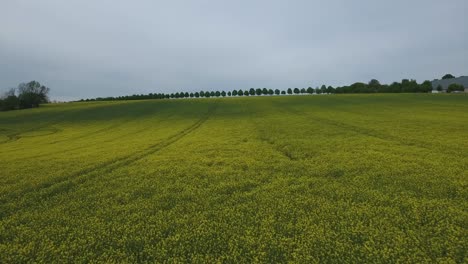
(373, 86)
(26, 95)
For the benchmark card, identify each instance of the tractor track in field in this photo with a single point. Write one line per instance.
(68, 150)
(93, 133)
(12, 137)
(389, 138)
(379, 135)
(64, 184)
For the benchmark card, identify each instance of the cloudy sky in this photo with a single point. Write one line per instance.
(90, 48)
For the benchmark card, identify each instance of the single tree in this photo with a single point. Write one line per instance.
(258, 91)
(32, 94)
(455, 87)
(223, 93)
(296, 90)
(252, 91)
(9, 101)
(374, 85)
(447, 76)
(277, 92)
(426, 87)
(323, 89)
(229, 93)
(289, 91)
(283, 92)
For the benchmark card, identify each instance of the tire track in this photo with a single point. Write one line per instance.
(68, 150)
(16, 135)
(379, 135)
(389, 138)
(26, 198)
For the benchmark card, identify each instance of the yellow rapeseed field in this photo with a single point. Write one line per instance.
(307, 179)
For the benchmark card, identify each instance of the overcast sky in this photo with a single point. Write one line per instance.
(90, 48)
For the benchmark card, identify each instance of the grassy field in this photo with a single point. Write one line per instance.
(329, 179)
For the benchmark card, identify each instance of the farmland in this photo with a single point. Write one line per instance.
(339, 178)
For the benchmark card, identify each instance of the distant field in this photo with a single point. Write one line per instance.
(339, 178)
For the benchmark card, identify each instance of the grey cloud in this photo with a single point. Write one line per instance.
(98, 48)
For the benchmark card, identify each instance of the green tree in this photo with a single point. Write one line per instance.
(455, 87)
(234, 93)
(289, 91)
(223, 93)
(252, 91)
(426, 87)
(323, 89)
(283, 92)
(303, 91)
(264, 91)
(246, 93)
(270, 92)
(9, 101)
(217, 94)
(395, 87)
(310, 90)
(447, 76)
(229, 93)
(409, 86)
(32, 94)
(258, 91)
(277, 92)
(374, 85)
(240, 92)
(296, 91)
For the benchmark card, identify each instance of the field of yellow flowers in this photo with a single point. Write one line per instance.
(308, 179)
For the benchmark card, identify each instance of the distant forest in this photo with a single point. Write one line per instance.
(374, 86)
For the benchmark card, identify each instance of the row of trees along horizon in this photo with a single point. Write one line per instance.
(32, 94)
(373, 86)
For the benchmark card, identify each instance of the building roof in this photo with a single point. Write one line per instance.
(463, 80)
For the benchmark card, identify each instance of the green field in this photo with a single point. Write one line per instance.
(329, 179)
